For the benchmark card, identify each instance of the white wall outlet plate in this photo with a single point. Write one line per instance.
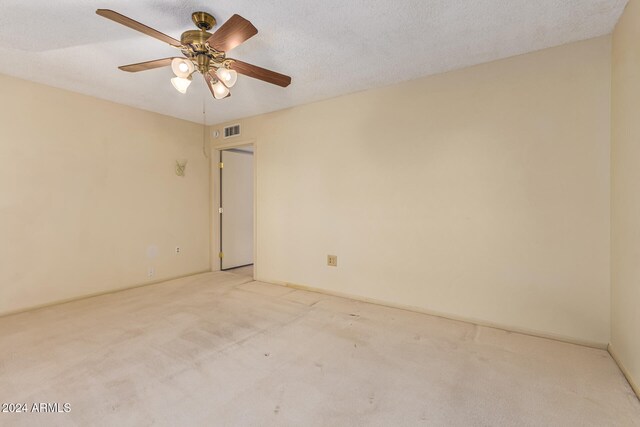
(332, 260)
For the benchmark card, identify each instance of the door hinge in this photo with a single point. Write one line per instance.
(220, 210)
(220, 165)
(221, 255)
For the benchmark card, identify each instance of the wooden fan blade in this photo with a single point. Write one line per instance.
(209, 79)
(232, 33)
(135, 25)
(149, 65)
(260, 73)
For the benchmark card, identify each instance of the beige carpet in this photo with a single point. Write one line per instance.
(215, 349)
(247, 270)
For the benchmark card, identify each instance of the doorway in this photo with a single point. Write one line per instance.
(236, 208)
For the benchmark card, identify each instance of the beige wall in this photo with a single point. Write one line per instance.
(86, 188)
(625, 232)
(481, 194)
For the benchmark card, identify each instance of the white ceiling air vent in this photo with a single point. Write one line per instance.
(230, 131)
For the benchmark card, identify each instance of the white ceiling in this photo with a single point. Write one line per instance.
(329, 48)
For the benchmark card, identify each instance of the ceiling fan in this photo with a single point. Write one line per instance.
(203, 52)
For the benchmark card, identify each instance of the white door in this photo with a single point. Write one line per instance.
(236, 219)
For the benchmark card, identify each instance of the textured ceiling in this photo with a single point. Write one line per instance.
(329, 48)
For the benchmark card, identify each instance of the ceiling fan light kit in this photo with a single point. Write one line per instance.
(220, 91)
(181, 83)
(182, 67)
(228, 77)
(203, 52)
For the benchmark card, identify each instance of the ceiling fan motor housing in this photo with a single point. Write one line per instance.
(203, 20)
(195, 38)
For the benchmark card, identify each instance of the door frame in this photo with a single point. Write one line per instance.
(215, 201)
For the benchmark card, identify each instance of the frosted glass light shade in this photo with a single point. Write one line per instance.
(182, 67)
(228, 77)
(181, 84)
(219, 90)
